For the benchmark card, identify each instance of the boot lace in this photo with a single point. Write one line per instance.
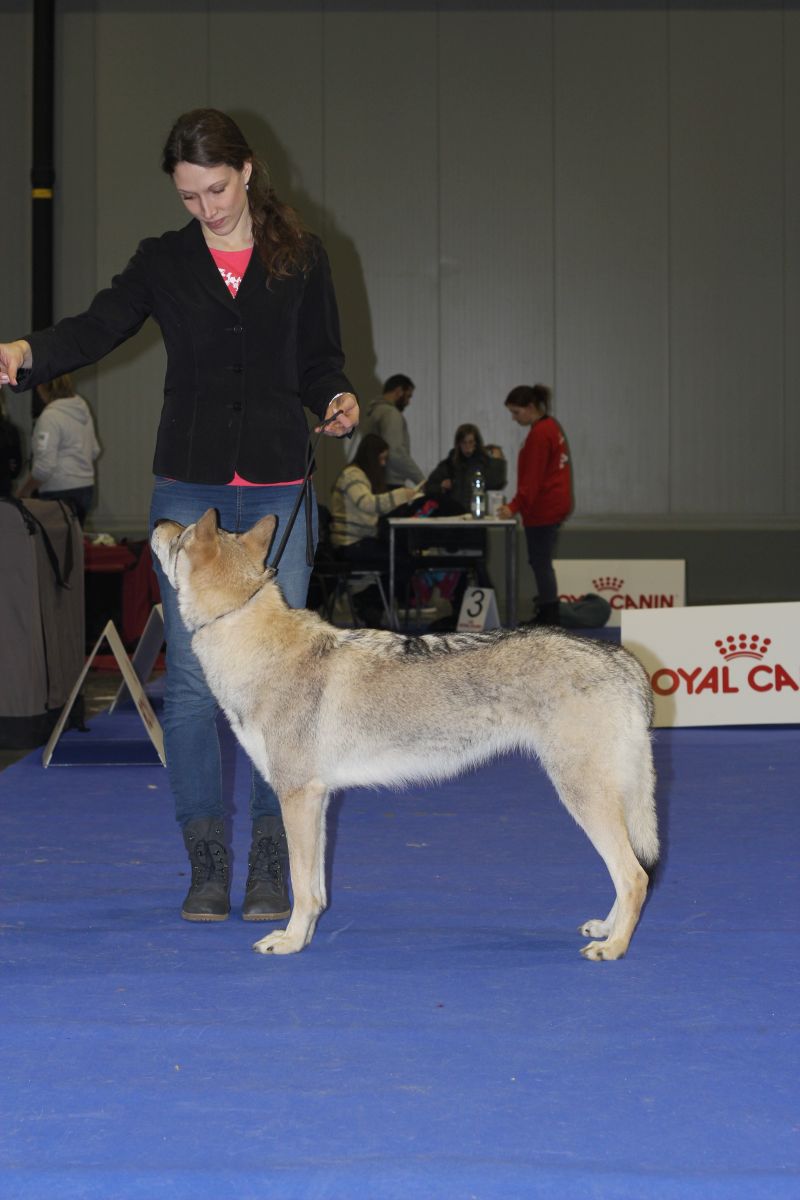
(209, 861)
(265, 863)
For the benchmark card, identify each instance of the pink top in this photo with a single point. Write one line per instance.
(232, 265)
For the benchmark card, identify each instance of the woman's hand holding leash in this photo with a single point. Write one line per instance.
(14, 356)
(341, 416)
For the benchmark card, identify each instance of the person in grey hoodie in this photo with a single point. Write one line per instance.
(64, 447)
(385, 418)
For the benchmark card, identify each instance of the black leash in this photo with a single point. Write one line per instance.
(303, 494)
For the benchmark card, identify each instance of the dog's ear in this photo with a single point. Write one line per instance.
(204, 546)
(206, 528)
(258, 540)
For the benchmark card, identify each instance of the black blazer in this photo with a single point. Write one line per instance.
(239, 371)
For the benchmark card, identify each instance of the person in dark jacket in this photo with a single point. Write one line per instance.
(10, 451)
(245, 303)
(543, 497)
(453, 477)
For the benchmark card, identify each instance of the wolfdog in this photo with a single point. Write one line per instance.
(319, 708)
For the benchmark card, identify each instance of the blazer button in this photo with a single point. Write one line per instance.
(237, 329)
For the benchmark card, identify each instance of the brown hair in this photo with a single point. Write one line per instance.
(464, 431)
(367, 457)
(59, 388)
(524, 397)
(207, 137)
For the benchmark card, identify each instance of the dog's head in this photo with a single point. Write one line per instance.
(213, 571)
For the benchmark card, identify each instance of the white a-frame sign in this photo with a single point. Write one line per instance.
(135, 690)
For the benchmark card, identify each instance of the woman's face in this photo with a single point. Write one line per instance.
(468, 445)
(525, 415)
(383, 457)
(217, 197)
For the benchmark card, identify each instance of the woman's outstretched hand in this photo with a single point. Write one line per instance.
(13, 357)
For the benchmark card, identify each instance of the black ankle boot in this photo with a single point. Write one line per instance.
(209, 897)
(265, 897)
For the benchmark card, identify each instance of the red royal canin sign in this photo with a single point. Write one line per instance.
(733, 664)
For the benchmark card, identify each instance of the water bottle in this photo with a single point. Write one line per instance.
(478, 505)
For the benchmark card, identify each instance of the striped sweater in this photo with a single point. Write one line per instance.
(355, 508)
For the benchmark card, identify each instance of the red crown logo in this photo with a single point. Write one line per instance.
(607, 583)
(743, 645)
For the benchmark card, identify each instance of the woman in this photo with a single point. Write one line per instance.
(245, 303)
(544, 489)
(359, 499)
(64, 448)
(453, 477)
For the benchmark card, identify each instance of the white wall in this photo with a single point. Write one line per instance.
(604, 197)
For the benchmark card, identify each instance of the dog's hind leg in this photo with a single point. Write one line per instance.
(597, 806)
(304, 818)
(605, 826)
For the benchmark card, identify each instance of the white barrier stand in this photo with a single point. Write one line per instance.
(143, 706)
(728, 664)
(478, 611)
(144, 658)
(626, 583)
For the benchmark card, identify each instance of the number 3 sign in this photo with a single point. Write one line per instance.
(478, 611)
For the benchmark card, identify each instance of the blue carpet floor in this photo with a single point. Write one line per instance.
(441, 1037)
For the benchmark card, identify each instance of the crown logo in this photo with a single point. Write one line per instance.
(607, 583)
(743, 645)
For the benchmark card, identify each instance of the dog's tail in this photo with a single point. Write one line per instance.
(640, 805)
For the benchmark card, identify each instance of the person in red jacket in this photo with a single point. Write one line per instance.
(544, 490)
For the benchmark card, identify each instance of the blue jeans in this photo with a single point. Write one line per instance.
(191, 740)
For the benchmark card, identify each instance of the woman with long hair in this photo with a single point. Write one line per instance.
(360, 497)
(244, 300)
(452, 479)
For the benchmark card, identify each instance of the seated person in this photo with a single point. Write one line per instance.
(359, 499)
(451, 481)
(450, 485)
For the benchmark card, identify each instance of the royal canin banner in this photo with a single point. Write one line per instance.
(624, 583)
(730, 664)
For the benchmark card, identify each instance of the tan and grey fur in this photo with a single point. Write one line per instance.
(319, 708)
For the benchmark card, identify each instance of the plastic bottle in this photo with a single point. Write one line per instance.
(478, 505)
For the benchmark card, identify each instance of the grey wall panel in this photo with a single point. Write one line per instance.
(726, 318)
(611, 257)
(605, 200)
(16, 28)
(791, 397)
(496, 216)
(148, 71)
(380, 165)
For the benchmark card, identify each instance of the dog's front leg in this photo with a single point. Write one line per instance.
(304, 818)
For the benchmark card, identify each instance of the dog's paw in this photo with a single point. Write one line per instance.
(278, 942)
(603, 951)
(595, 928)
